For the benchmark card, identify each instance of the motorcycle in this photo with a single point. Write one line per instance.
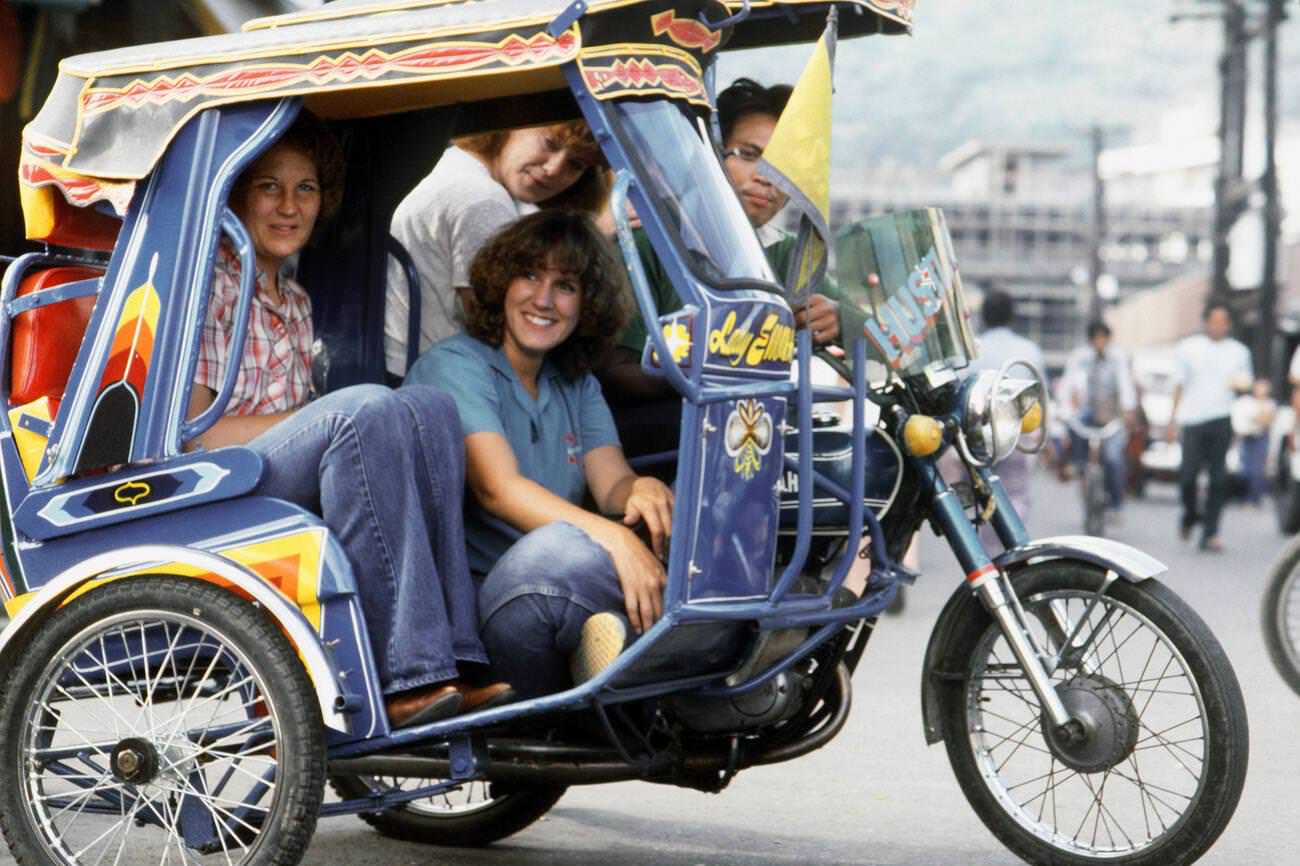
(186, 663)
(1280, 614)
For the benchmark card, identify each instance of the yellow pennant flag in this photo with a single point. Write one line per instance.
(797, 161)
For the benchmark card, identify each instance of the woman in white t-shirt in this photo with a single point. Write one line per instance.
(480, 184)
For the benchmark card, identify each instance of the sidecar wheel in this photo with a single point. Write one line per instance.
(159, 720)
(1281, 615)
(1158, 776)
(469, 817)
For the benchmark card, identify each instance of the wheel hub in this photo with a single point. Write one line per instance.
(134, 761)
(1104, 726)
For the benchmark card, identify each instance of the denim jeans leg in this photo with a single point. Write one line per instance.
(355, 457)
(1112, 458)
(1218, 439)
(1189, 469)
(534, 602)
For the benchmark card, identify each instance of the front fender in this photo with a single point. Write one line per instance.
(320, 666)
(1128, 562)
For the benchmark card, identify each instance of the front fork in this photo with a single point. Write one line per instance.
(991, 585)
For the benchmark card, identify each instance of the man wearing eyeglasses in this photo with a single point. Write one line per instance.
(646, 409)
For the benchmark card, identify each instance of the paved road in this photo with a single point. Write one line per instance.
(877, 794)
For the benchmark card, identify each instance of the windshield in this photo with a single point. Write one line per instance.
(900, 269)
(682, 178)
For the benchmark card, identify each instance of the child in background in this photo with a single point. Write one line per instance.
(1252, 418)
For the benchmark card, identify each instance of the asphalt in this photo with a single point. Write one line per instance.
(878, 794)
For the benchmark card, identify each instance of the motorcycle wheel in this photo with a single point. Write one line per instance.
(160, 720)
(468, 817)
(1159, 776)
(1094, 501)
(1281, 614)
(1286, 495)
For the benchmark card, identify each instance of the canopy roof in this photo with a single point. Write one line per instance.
(111, 114)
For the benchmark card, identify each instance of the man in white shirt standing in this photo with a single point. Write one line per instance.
(1212, 367)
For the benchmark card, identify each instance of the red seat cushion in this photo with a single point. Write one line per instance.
(45, 340)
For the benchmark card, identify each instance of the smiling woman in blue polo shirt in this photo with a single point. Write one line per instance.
(549, 304)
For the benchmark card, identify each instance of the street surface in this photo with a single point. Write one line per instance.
(877, 795)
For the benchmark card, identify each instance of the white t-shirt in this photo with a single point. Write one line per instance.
(442, 222)
(1294, 373)
(1208, 370)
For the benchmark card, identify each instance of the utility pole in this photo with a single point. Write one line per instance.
(1098, 226)
(1266, 333)
(1230, 190)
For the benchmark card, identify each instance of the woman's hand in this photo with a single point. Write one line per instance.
(640, 575)
(652, 501)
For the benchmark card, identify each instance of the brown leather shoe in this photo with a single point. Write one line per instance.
(484, 697)
(422, 706)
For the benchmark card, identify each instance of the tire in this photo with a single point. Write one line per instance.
(160, 720)
(1281, 614)
(1286, 500)
(1157, 781)
(1094, 500)
(467, 818)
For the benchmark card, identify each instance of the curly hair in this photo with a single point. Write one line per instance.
(591, 189)
(567, 241)
(310, 136)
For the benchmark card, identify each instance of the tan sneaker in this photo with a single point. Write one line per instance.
(603, 637)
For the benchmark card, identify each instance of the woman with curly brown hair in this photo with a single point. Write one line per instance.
(481, 183)
(549, 304)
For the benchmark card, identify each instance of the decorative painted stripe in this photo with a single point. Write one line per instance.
(641, 76)
(981, 572)
(78, 189)
(243, 81)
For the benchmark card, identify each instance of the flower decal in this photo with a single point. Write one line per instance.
(748, 436)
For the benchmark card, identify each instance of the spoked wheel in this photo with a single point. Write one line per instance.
(160, 720)
(474, 814)
(1281, 614)
(1161, 760)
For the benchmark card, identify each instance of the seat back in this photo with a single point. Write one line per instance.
(45, 340)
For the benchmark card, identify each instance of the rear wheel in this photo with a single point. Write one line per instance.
(1281, 614)
(1159, 769)
(475, 814)
(1286, 498)
(159, 720)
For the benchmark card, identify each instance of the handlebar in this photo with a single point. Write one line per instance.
(1096, 434)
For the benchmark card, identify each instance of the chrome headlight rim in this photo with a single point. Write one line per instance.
(978, 439)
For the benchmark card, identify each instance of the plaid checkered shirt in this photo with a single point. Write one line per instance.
(275, 370)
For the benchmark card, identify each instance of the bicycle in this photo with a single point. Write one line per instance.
(1093, 476)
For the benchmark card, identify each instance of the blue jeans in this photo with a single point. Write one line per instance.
(534, 601)
(1113, 466)
(1254, 466)
(1205, 446)
(386, 471)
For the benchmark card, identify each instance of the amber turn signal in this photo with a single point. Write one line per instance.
(922, 435)
(1033, 419)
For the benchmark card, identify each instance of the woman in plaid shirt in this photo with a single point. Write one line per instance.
(351, 455)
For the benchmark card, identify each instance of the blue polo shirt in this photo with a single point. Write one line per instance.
(550, 436)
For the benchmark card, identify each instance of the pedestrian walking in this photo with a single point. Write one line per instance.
(1212, 368)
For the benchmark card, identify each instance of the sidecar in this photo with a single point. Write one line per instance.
(186, 662)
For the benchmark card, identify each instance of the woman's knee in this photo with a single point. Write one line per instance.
(557, 560)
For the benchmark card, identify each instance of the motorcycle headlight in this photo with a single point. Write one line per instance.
(995, 413)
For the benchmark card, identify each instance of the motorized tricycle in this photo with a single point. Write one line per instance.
(186, 663)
